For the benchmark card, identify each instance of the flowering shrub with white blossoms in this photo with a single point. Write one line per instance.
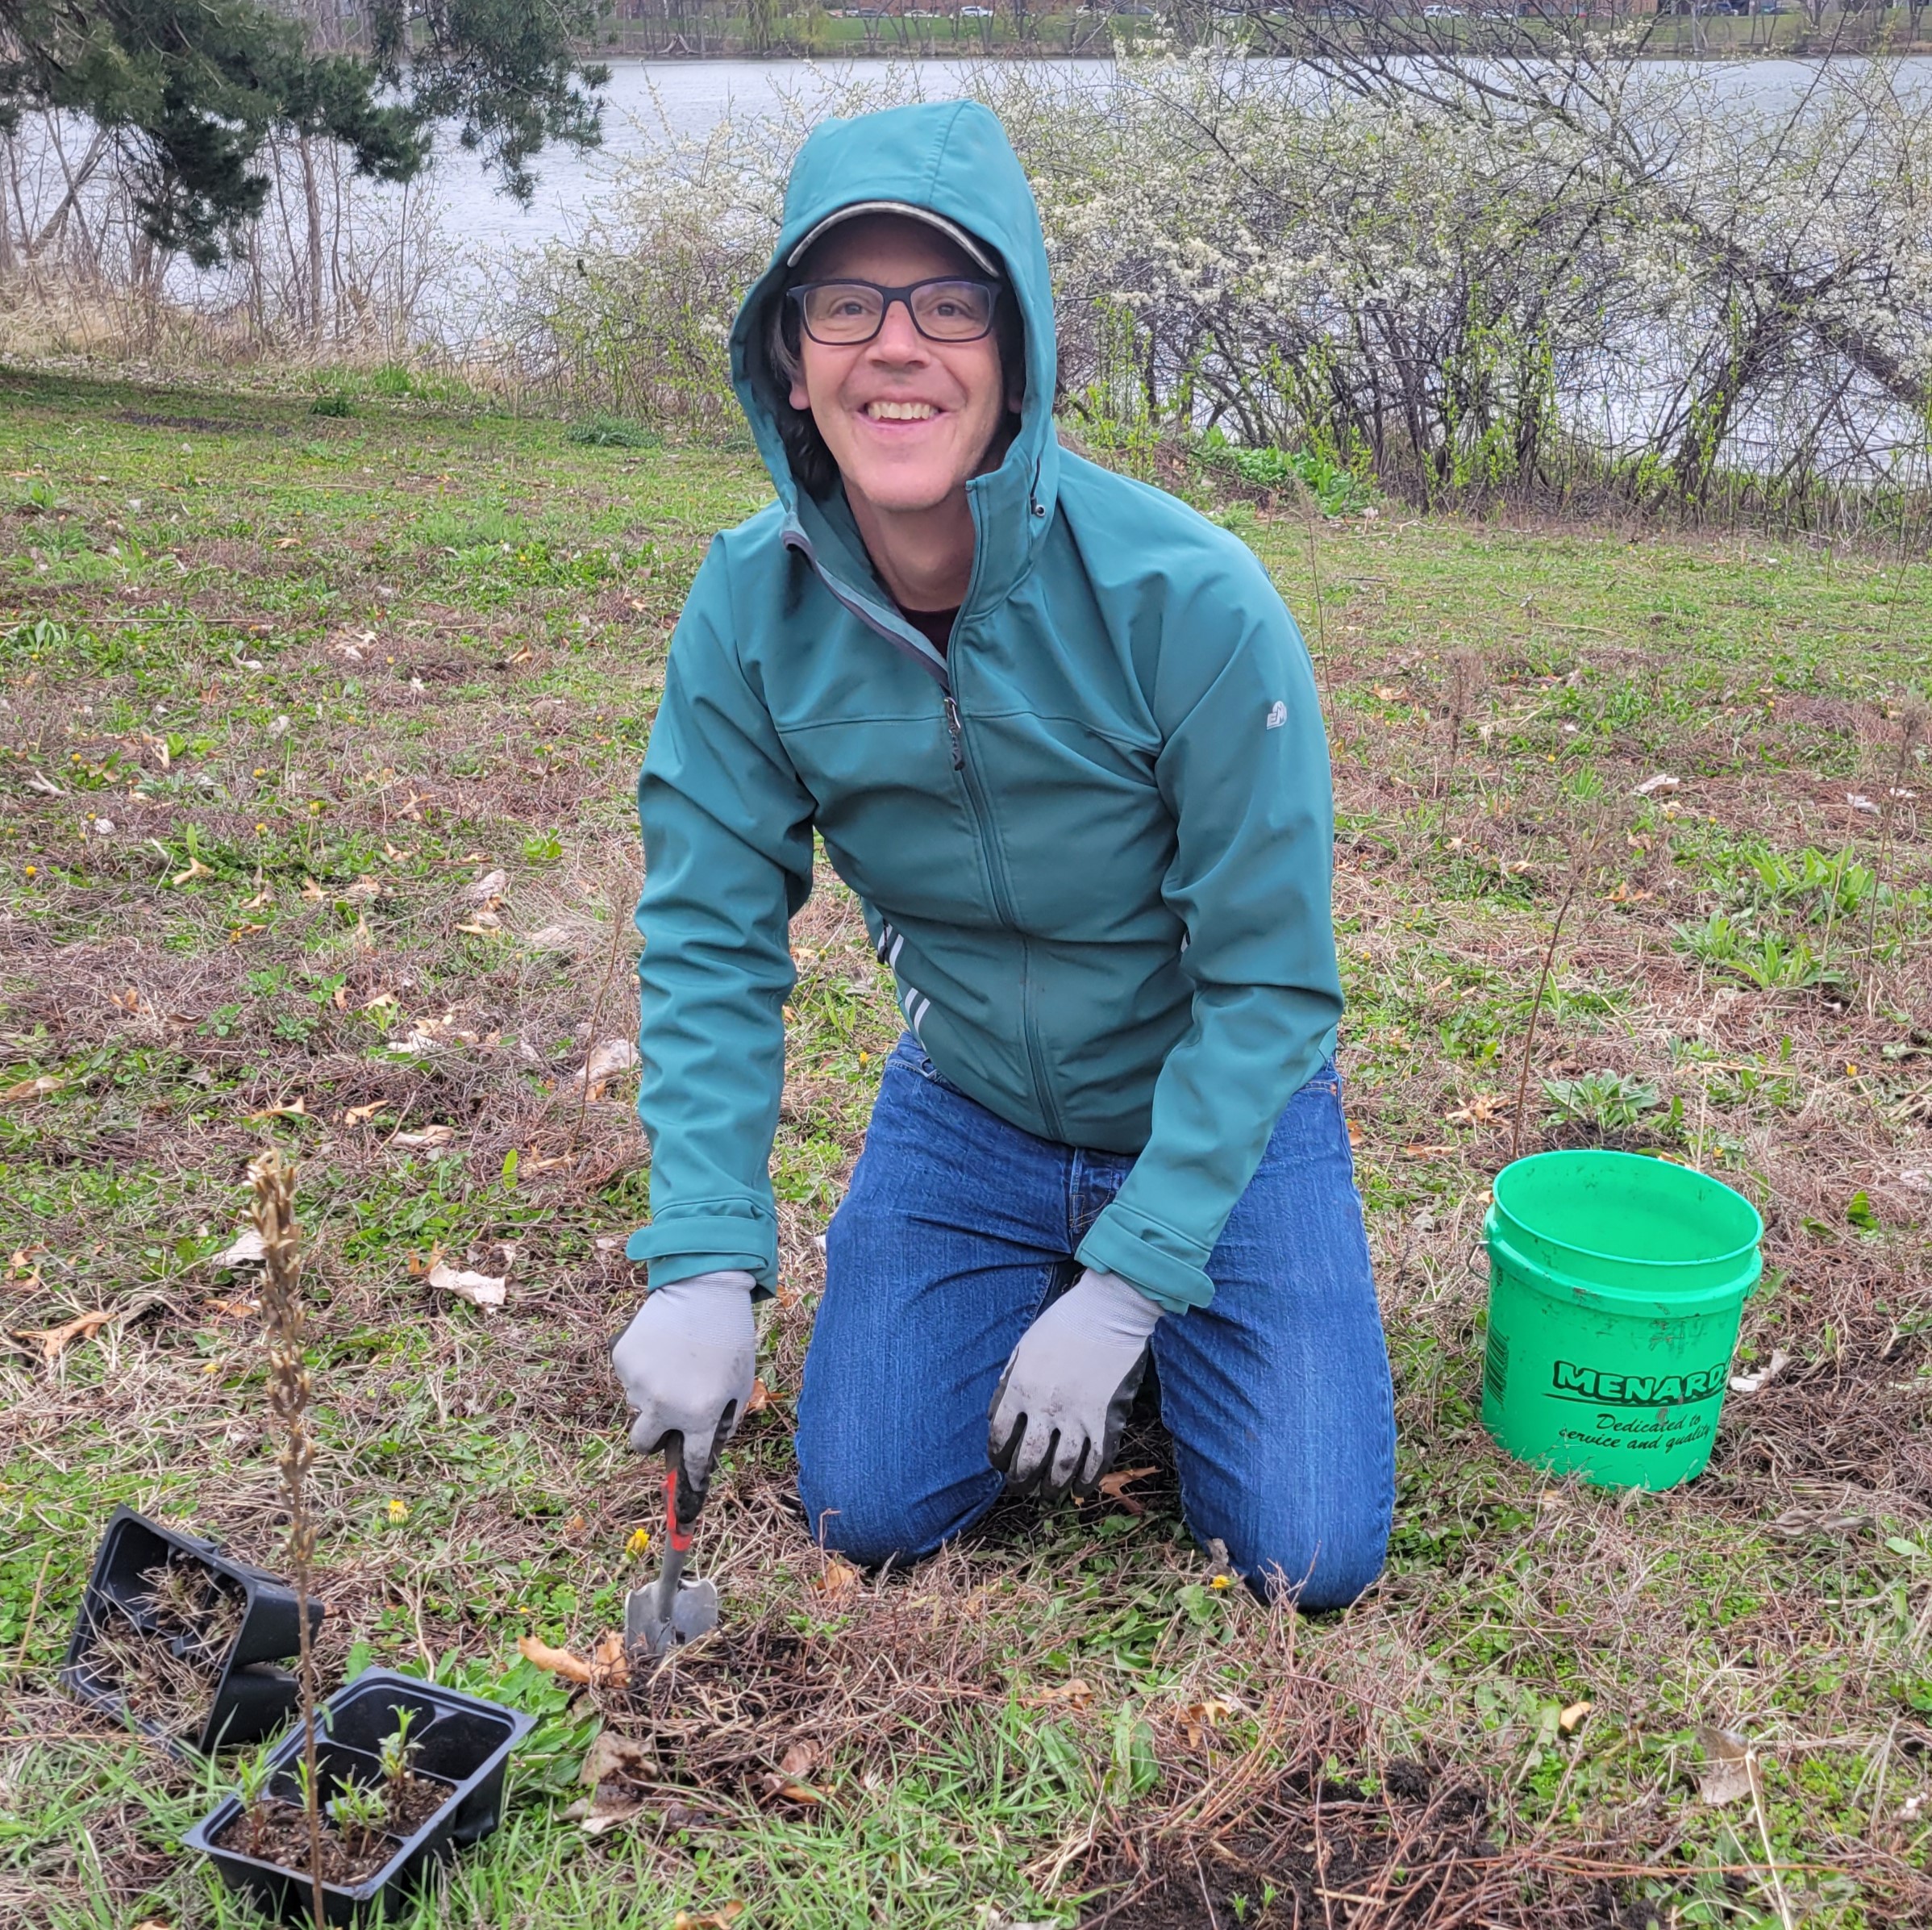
(1664, 281)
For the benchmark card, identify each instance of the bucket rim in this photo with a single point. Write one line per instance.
(1655, 1300)
(1661, 1267)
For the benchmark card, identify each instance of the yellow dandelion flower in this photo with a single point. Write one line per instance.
(398, 1511)
(638, 1542)
(1219, 1581)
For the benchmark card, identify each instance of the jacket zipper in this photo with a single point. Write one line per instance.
(975, 805)
(1002, 904)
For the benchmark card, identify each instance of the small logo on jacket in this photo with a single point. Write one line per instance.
(1277, 714)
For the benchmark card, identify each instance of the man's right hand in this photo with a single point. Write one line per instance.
(686, 1363)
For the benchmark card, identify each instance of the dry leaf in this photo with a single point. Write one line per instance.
(429, 1135)
(761, 1397)
(612, 1057)
(1727, 1774)
(554, 1662)
(1661, 782)
(34, 1089)
(232, 1309)
(615, 1756)
(1206, 1715)
(356, 1115)
(196, 868)
(1389, 694)
(787, 1789)
(720, 1919)
(1420, 1151)
(1480, 1111)
(479, 1289)
(798, 1759)
(1074, 1694)
(247, 1250)
(839, 1576)
(551, 938)
(606, 1810)
(610, 1662)
(1572, 1719)
(299, 1110)
(482, 925)
(1112, 1487)
(1755, 1383)
(491, 886)
(51, 1339)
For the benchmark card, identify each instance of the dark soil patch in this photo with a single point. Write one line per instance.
(279, 1834)
(414, 1804)
(1412, 1850)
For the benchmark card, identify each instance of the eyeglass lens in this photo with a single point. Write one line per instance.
(840, 313)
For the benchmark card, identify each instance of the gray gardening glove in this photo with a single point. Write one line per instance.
(1055, 1421)
(686, 1364)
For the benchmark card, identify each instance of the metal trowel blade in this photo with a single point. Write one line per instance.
(693, 1612)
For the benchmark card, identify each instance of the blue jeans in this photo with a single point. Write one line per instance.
(959, 1228)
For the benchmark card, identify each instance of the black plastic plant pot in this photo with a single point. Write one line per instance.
(461, 1743)
(197, 1614)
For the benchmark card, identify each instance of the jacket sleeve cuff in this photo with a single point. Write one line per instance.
(1171, 1270)
(677, 1247)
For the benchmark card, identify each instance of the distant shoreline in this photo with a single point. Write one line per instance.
(1725, 45)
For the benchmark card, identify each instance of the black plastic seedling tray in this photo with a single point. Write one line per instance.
(253, 1696)
(464, 1743)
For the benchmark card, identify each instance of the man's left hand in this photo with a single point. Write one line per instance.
(1055, 1420)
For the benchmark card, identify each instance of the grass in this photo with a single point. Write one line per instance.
(315, 830)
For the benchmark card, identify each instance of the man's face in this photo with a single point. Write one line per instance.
(908, 420)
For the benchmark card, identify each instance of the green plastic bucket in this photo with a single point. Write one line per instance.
(1616, 1284)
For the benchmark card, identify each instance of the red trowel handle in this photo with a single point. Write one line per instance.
(677, 1533)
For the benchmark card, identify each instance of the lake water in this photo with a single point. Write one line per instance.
(646, 98)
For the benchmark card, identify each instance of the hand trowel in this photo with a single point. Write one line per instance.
(675, 1608)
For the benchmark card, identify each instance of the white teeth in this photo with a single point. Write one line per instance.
(887, 411)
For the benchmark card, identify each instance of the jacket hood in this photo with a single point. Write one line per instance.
(953, 158)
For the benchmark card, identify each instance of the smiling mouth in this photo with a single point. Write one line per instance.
(895, 411)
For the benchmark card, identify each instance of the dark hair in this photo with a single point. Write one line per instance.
(812, 462)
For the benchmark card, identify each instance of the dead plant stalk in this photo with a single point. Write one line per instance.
(1583, 863)
(289, 1390)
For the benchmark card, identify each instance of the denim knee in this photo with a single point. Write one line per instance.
(1287, 1567)
(868, 1526)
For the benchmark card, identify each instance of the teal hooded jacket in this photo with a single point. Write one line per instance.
(1093, 838)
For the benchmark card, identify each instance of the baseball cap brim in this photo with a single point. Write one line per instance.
(975, 251)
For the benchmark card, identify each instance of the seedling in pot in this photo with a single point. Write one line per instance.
(360, 1814)
(408, 1770)
(252, 1776)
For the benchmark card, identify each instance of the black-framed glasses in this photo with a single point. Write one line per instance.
(843, 314)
